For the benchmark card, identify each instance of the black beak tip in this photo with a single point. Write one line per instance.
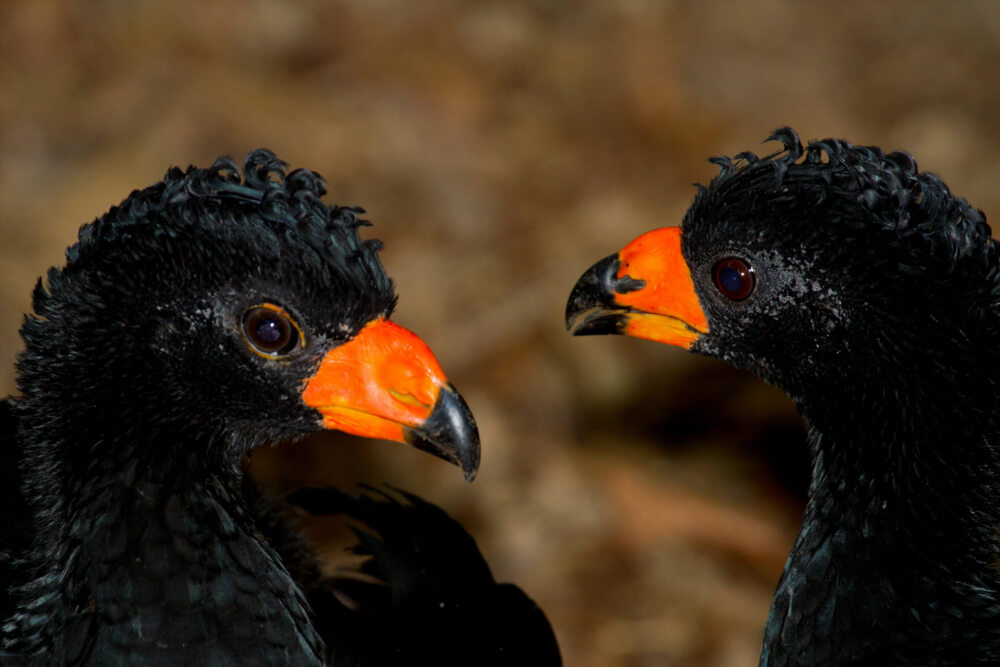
(591, 308)
(450, 433)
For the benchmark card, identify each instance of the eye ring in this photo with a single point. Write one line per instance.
(270, 332)
(734, 277)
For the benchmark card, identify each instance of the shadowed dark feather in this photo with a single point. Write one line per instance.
(428, 586)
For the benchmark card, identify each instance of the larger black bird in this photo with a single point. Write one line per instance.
(202, 317)
(871, 294)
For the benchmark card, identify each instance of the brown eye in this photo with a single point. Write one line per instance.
(734, 278)
(269, 331)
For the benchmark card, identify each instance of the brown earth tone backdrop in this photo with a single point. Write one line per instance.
(645, 497)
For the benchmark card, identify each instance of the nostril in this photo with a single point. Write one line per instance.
(409, 399)
(627, 284)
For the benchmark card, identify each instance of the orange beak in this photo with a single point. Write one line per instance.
(386, 383)
(644, 290)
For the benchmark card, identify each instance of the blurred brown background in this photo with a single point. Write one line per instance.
(645, 497)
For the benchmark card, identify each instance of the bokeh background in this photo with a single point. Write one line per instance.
(644, 497)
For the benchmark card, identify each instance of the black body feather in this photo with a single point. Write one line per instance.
(423, 570)
(15, 520)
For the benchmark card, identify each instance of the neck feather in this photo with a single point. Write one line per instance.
(143, 561)
(896, 561)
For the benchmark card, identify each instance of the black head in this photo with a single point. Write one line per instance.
(202, 307)
(810, 267)
(854, 259)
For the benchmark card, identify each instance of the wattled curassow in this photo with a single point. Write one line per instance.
(871, 295)
(207, 315)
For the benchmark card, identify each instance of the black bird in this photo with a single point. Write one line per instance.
(202, 317)
(871, 294)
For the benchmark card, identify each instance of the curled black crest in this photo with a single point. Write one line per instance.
(221, 191)
(889, 192)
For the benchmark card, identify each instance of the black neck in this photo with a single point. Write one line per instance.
(144, 558)
(896, 559)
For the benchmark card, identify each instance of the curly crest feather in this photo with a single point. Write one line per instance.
(292, 199)
(875, 191)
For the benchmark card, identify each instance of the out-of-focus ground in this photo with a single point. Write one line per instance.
(644, 497)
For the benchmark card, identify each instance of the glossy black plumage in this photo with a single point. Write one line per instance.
(15, 523)
(877, 308)
(138, 398)
(436, 585)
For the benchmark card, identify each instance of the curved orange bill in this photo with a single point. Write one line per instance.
(386, 383)
(644, 290)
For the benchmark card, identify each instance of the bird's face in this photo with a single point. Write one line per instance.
(755, 292)
(250, 332)
(298, 341)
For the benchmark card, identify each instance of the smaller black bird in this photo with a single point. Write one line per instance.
(204, 316)
(871, 294)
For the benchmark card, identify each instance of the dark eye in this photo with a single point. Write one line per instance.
(269, 331)
(734, 278)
